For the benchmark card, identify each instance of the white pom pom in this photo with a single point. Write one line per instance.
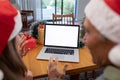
(114, 55)
(1, 75)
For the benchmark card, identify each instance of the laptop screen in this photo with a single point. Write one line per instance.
(61, 35)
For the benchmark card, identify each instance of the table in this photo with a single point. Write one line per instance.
(39, 67)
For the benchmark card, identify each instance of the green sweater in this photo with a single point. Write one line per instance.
(110, 73)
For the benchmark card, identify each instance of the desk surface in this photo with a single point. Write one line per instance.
(39, 67)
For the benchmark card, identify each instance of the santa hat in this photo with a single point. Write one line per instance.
(10, 23)
(1, 75)
(105, 16)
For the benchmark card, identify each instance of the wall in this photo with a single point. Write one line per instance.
(15, 4)
(13, 1)
(81, 7)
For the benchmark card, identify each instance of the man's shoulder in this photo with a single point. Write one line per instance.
(110, 73)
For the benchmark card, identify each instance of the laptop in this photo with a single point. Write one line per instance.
(60, 41)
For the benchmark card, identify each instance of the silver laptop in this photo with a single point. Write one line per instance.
(60, 41)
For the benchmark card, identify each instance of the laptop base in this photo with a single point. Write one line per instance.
(61, 57)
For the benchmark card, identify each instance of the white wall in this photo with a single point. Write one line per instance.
(81, 7)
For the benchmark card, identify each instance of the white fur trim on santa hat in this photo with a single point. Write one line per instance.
(1, 75)
(17, 27)
(104, 19)
(114, 55)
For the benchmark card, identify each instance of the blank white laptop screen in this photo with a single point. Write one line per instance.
(61, 35)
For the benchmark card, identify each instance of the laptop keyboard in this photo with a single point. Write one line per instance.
(59, 51)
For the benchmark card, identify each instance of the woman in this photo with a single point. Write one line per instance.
(11, 65)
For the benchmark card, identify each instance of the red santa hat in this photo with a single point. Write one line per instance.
(105, 16)
(10, 23)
